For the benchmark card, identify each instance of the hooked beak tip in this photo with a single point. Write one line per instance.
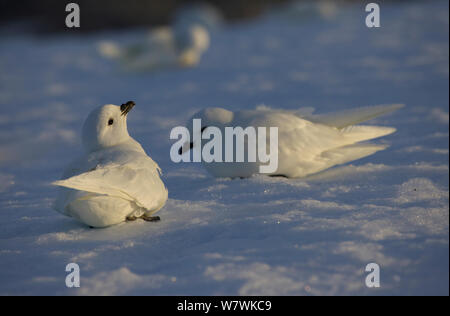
(127, 107)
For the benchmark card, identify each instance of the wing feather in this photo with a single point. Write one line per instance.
(346, 118)
(137, 182)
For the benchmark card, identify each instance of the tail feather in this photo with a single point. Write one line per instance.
(359, 133)
(346, 154)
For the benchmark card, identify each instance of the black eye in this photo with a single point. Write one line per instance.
(110, 122)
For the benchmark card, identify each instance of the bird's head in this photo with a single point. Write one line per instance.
(192, 42)
(106, 126)
(216, 117)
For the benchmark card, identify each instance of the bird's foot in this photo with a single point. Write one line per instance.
(150, 218)
(131, 218)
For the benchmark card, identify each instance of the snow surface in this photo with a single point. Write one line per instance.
(262, 235)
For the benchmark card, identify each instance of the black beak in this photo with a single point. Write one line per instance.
(180, 151)
(126, 107)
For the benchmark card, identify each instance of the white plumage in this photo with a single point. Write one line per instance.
(307, 143)
(115, 179)
(163, 48)
(181, 44)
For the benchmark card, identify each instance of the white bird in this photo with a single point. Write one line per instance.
(163, 48)
(307, 143)
(115, 180)
(181, 44)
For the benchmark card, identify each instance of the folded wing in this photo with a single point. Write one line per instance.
(341, 119)
(139, 183)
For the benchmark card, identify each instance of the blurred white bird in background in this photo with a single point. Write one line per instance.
(180, 45)
(115, 180)
(307, 143)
